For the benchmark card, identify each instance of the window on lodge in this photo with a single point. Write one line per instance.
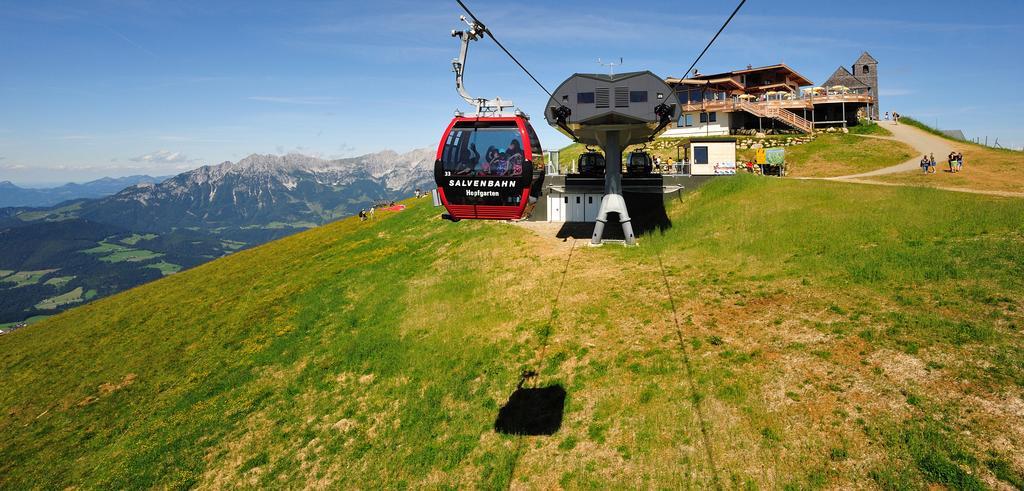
(685, 121)
(708, 117)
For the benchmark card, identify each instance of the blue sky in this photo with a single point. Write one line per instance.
(92, 88)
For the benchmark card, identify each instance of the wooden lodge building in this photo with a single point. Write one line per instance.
(774, 97)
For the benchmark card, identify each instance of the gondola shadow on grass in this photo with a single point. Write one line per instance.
(532, 411)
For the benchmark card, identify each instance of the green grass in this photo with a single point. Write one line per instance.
(115, 253)
(135, 238)
(73, 296)
(106, 248)
(232, 244)
(59, 281)
(131, 255)
(25, 278)
(836, 154)
(378, 354)
(869, 128)
(5, 272)
(55, 214)
(165, 267)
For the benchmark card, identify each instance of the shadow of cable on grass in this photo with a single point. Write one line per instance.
(532, 411)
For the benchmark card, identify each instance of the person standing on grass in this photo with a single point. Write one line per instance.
(959, 162)
(952, 159)
(372, 208)
(931, 162)
(924, 164)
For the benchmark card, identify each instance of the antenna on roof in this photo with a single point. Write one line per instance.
(611, 65)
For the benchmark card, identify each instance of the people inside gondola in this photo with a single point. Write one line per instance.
(467, 161)
(491, 157)
(515, 157)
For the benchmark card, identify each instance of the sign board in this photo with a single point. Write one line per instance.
(725, 168)
(775, 156)
(759, 156)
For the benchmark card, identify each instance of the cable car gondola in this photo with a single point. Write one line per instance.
(590, 164)
(489, 165)
(639, 163)
(485, 167)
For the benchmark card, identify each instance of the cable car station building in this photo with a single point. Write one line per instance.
(710, 109)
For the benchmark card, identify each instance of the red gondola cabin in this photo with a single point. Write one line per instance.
(489, 167)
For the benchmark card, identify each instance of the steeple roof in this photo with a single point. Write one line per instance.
(842, 76)
(865, 59)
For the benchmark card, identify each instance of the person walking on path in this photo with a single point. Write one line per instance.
(924, 164)
(887, 115)
(952, 159)
(931, 162)
(959, 162)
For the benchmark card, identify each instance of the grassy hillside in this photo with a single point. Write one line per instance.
(985, 168)
(838, 154)
(805, 334)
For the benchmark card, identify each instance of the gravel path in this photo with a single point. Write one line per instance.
(921, 141)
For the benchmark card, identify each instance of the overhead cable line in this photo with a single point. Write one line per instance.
(507, 52)
(720, 29)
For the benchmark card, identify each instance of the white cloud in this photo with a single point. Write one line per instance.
(306, 101)
(162, 157)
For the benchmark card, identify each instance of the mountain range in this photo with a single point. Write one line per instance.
(264, 190)
(59, 256)
(13, 195)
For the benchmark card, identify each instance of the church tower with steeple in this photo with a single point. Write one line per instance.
(862, 75)
(866, 69)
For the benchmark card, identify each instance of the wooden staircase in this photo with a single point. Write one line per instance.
(778, 114)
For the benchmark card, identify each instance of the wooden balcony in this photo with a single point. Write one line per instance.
(808, 102)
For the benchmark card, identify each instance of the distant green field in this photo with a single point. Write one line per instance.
(131, 255)
(56, 214)
(281, 225)
(59, 281)
(113, 253)
(73, 296)
(232, 244)
(780, 334)
(165, 267)
(25, 278)
(106, 248)
(135, 238)
(5, 272)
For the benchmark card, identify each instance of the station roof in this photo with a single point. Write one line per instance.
(780, 67)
